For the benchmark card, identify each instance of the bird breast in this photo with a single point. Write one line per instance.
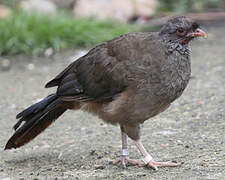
(175, 75)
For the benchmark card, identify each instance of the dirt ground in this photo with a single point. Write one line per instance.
(80, 146)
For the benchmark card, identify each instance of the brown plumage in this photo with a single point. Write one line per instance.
(124, 81)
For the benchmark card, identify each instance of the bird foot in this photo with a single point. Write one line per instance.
(154, 164)
(125, 160)
(139, 162)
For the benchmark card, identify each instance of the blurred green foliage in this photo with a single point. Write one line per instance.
(10, 3)
(182, 6)
(32, 34)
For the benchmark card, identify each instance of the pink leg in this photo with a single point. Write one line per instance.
(124, 153)
(149, 161)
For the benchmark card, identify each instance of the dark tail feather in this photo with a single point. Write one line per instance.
(37, 118)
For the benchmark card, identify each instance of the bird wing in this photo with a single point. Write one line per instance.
(106, 70)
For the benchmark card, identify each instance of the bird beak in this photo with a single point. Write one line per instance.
(198, 33)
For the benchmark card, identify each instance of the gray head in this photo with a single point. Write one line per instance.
(181, 30)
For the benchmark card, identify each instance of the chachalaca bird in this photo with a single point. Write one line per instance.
(124, 81)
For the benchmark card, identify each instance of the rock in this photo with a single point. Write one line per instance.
(30, 66)
(40, 6)
(66, 4)
(4, 11)
(105, 9)
(179, 142)
(5, 64)
(145, 7)
(49, 52)
(99, 167)
(167, 132)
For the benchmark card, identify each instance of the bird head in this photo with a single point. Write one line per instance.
(181, 30)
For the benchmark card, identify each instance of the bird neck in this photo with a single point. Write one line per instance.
(176, 70)
(173, 45)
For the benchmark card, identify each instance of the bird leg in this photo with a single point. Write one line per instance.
(124, 152)
(149, 161)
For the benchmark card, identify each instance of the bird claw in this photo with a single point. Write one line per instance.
(125, 160)
(139, 162)
(122, 160)
(154, 164)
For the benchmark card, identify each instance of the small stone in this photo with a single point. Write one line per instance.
(60, 155)
(5, 65)
(30, 66)
(179, 142)
(93, 152)
(45, 69)
(167, 132)
(99, 167)
(48, 169)
(203, 163)
(12, 106)
(49, 52)
(165, 145)
(99, 157)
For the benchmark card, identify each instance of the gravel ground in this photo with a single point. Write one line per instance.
(80, 146)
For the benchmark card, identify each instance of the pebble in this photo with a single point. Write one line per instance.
(179, 142)
(49, 52)
(167, 132)
(93, 152)
(5, 65)
(12, 106)
(49, 169)
(99, 157)
(30, 66)
(99, 167)
(60, 155)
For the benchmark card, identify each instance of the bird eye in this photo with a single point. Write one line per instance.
(180, 32)
(195, 26)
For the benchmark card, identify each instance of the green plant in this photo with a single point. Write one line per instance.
(8, 2)
(29, 34)
(182, 6)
